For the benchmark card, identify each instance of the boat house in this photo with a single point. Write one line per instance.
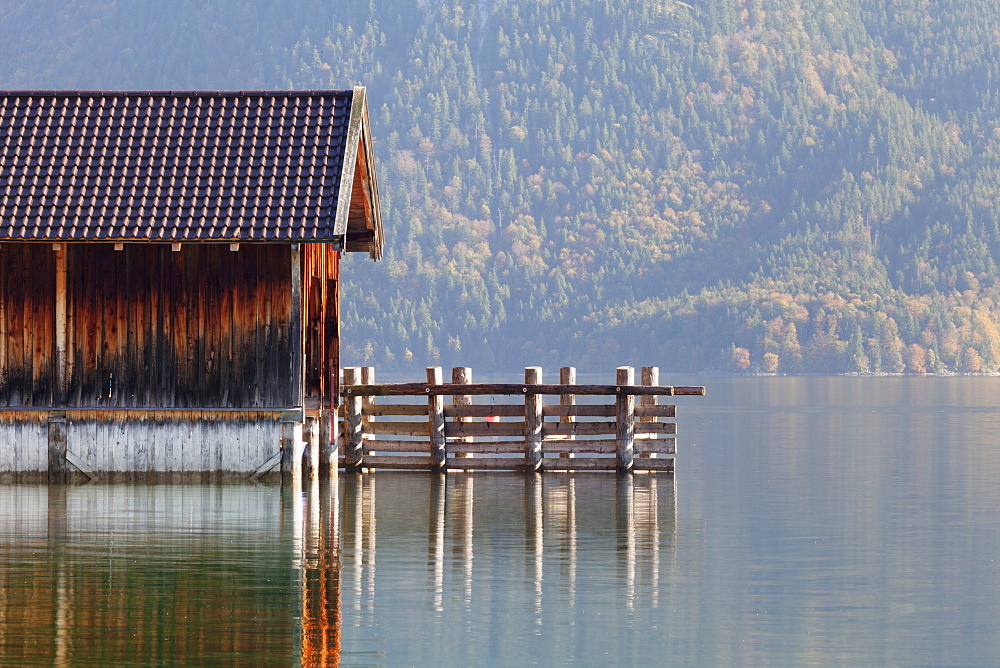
(169, 295)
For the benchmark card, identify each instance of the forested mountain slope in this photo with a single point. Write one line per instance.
(775, 185)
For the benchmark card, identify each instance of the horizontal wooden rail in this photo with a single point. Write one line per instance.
(400, 389)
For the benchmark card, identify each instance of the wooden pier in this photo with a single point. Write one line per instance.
(417, 429)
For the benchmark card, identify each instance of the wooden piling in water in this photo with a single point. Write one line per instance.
(625, 420)
(532, 420)
(435, 414)
(462, 375)
(650, 377)
(567, 376)
(353, 434)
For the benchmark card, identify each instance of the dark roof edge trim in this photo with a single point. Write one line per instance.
(350, 161)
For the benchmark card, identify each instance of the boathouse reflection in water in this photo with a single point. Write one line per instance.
(113, 573)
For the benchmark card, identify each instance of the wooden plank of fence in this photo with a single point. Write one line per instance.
(601, 444)
(667, 411)
(395, 409)
(659, 464)
(501, 410)
(465, 429)
(663, 446)
(578, 428)
(604, 446)
(397, 446)
(580, 463)
(653, 428)
(400, 428)
(491, 464)
(579, 410)
(399, 462)
(497, 447)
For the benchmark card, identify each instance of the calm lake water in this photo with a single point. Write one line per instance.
(849, 521)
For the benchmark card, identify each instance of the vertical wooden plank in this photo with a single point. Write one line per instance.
(353, 446)
(321, 352)
(462, 375)
(59, 372)
(296, 331)
(624, 418)
(567, 376)
(533, 420)
(435, 416)
(650, 376)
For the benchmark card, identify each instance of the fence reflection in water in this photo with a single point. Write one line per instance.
(490, 536)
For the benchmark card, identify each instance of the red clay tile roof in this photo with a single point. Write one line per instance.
(178, 166)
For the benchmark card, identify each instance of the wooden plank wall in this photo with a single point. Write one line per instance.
(238, 443)
(119, 442)
(202, 327)
(24, 444)
(27, 324)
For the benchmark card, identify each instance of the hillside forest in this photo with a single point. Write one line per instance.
(777, 186)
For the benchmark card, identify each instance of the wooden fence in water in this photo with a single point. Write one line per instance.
(529, 435)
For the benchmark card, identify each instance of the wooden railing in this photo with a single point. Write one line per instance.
(528, 436)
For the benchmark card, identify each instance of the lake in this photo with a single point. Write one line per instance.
(841, 520)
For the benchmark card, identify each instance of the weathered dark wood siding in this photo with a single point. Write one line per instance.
(27, 324)
(203, 327)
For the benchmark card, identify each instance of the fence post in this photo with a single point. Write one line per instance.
(367, 378)
(625, 417)
(435, 416)
(462, 375)
(353, 431)
(650, 376)
(532, 420)
(567, 376)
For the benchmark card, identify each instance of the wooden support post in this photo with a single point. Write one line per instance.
(58, 466)
(327, 443)
(353, 433)
(462, 375)
(312, 431)
(532, 420)
(625, 417)
(567, 376)
(650, 376)
(435, 417)
(291, 444)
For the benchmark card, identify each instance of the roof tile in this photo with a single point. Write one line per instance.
(103, 165)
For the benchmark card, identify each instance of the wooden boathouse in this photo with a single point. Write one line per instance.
(170, 270)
